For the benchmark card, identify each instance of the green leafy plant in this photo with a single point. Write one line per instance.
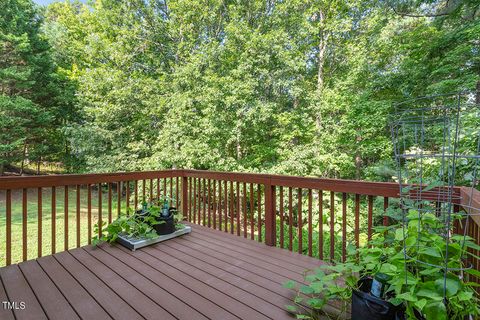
(324, 284)
(131, 225)
(416, 280)
(138, 225)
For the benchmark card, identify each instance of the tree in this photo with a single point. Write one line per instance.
(297, 87)
(28, 88)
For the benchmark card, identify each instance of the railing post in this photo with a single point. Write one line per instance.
(270, 223)
(185, 197)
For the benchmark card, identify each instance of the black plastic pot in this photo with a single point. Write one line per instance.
(365, 306)
(169, 224)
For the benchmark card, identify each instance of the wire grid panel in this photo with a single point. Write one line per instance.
(436, 142)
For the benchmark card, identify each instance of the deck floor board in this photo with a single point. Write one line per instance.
(175, 288)
(5, 313)
(72, 290)
(140, 301)
(106, 297)
(54, 303)
(18, 290)
(230, 266)
(207, 274)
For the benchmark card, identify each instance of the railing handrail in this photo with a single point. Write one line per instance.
(383, 189)
(470, 202)
(80, 179)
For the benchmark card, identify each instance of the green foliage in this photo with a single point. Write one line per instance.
(131, 225)
(294, 87)
(136, 225)
(34, 100)
(414, 281)
(245, 86)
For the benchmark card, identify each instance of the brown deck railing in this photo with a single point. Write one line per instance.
(281, 211)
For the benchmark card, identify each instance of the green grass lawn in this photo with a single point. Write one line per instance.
(32, 220)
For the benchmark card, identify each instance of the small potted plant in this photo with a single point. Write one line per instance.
(166, 215)
(151, 221)
(132, 226)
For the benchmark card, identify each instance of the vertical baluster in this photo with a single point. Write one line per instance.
(300, 222)
(357, 220)
(332, 225)
(438, 208)
(185, 198)
(270, 194)
(171, 191)
(344, 226)
(143, 192)
(199, 196)
(65, 227)
(199, 207)
(290, 219)
(310, 229)
(470, 259)
(214, 204)
(281, 218)
(164, 190)
(232, 224)
(370, 217)
(225, 208)
(151, 190)
(244, 210)
(320, 224)
(135, 201)
(158, 188)
(471, 233)
(176, 192)
(194, 200)
(109, 203)
(220, 205)
(40, 214)
(259, 203)
(457, 225)
(89, 212)
(209, 197)
(204, 201)
(24, 224)
(190, 199)
(8, 219)
(100, 221)
(237, 213)
(119, 198)
(385, 207)
(252, 213)
(127, 197)
(54, 219)
(77, 207)
(476, 239)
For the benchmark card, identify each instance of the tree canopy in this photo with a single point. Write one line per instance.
(296, 87)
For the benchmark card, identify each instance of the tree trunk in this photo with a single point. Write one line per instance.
(2, 169)
(322, 50)
(38, 165)
(23, 158)
(477, 97)
(358, 159)
(238, 148)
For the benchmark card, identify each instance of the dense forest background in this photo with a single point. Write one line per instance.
(301, 87)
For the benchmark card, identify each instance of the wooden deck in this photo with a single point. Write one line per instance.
(207, 274)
